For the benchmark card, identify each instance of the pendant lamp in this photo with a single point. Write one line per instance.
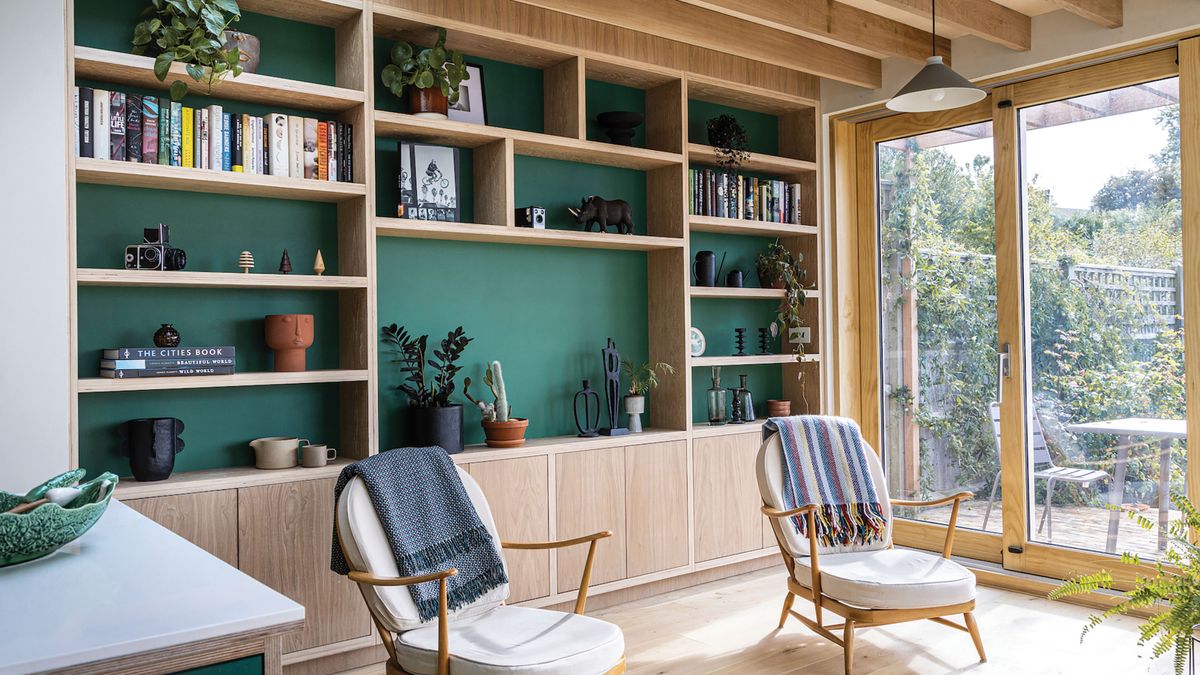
(936, 87)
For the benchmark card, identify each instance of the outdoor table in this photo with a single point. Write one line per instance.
(1124, 429)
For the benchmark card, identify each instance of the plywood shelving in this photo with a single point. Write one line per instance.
(499, 234)
(96, 385)
(749, 227)
(743, 293)
(755, 163)
(208, 480)
(182, 279)
(156, 176)
(751, 360)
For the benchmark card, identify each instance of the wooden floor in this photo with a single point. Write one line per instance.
(728, 626)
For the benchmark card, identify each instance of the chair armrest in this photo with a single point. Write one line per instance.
(948, 547)
(443, 623)
(775, 513)
(586, 579)
(372, 580)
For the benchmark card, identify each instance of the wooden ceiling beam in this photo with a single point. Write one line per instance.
(1107, 13)
(835, 23)
(983, 18)
(681, 22)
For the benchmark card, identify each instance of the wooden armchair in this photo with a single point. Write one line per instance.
(485, 636)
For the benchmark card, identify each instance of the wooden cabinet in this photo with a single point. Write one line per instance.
(656, 503)
(589, 497)
(207, 519)
(518, 494)
(284, 541)
(728, 518)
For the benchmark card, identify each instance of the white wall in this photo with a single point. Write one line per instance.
(34, 391)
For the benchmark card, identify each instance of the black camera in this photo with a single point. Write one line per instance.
(532, 216)
(155, 252)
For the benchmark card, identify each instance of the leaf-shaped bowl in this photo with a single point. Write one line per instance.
(42, 531)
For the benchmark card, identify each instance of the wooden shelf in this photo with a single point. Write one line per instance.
(89, 385)
(704, 430)
(321, 12)
(181, 279)
(138, 71)
(224, 479)
(739, 95)
(497, 234)
(559, 444)
(750, 360)
(742, 293)
(134, 174)
(748, 227)
(437, 132)
(757, 163)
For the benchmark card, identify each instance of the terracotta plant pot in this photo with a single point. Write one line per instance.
(777, 408)
(430, 103)
(510, 434)
(289, 335)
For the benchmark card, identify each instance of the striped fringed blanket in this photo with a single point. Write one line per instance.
(825, 463)
(430, 524)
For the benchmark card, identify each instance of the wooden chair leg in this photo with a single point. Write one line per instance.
(973, 627)
(787, 607)
(848, 639)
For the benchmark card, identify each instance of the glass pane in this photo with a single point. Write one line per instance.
(1104, 245)
(938, 324)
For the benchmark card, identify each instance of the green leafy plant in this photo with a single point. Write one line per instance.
(410, 353)
(778, 268)
(729, 138)
(426, 68)
(643, 378)
(1176, 583)
(191, 32)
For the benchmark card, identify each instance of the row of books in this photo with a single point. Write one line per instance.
(127, 362)
(153, 130)
(723, 195)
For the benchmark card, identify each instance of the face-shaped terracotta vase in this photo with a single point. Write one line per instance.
(289, 335)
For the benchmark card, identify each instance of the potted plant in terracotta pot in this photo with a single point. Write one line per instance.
(433, 73)
(642, 379)
(499, 427)
(195, 33)
(433, 418)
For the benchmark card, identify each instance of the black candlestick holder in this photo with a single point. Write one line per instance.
(740, 338)
(764, 341)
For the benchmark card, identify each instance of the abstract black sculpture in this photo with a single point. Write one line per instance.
(599, 210)
(740, 338)
(612, 389)
(587, 394)
(151, 445)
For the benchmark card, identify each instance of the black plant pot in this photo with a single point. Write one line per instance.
(151, 445)
(436, 426)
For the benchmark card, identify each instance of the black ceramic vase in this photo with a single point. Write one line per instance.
(436, 426)
(620, 125)
(705, 268)
(166, 336)
(151, 445)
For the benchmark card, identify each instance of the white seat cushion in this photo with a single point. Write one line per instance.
(890, 579)
(516, 640)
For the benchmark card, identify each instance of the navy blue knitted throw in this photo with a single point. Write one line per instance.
(430, 523)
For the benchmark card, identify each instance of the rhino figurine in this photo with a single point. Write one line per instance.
(595, 209)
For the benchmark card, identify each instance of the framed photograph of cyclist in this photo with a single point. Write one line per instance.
(428, 182)
(472, 105)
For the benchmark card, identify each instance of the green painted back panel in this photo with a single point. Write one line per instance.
(605, 96)
(297, 51)
(762, 130)
(557, 185)
(250, 665)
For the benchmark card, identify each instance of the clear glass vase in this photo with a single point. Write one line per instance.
(716, 400)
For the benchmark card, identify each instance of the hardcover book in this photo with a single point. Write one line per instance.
(428, 182)
(116, 126)
(180, 372)
(265, 148)
(310, 147)
(200, 157)
(296, 146)
(322, 151)
(247, 145)
(333, 151)
(75, 118)
(349, 153)
(216, 126)
(188, 138)
(122, 353)
(133, 127)
(101, 124)
(164, 130)
(278, 130)
(237, 150)
(226, 142)
(87, 122)
(163, 364)
(176, 133)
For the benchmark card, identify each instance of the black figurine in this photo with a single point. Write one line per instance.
(740, 338)
(764, 341)
(601, 211)
(285, 263)
(612, 389)
(588, 428)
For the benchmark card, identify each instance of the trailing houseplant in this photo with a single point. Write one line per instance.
(433, 418)
(1175, 584)
(500, 428)
(434, 73)
(729, 138)
(192, 32)
(779, 268)
(642, 379)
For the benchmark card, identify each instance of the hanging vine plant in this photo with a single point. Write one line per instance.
(729, 138)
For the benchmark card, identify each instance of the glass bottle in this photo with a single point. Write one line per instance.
(746, 400)
(716, 400)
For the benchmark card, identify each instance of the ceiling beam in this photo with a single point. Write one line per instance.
(689, 24)
(1107, 13)
(983, 18)
(835, 23)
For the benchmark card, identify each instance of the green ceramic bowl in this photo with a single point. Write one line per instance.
(47, 528)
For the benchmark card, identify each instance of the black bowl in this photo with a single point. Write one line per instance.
(620, 125)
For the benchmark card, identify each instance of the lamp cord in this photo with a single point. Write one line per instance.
(933, 26)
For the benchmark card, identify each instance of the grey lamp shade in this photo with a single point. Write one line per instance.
(936, 87)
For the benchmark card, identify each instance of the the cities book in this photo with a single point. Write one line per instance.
(123, 353)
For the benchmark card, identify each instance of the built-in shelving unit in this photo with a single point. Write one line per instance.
(93, 385)
(755, 163)
(181, 279)
(155, 176)
(757, 228)
(743, 293)
(499, 234)
(751, 360)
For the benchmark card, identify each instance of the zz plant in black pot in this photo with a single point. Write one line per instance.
(432, 418)
(192, 32)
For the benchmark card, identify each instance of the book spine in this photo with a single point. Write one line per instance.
(162, 364)
(310, 147)
(238, 139)
(349, 154)
(796, 203)
(216, 125)
(133, 127)
(265, 148)
(247, 145)
(258, 146)
(87, 123)
(341, 156)
(75, 118)
(333, 151)
(322, 151)
(189, 137)
(116, 126)
(226, 142)
(202, 150)
(180, 372)
(277, 125)
(296, 146)
(176, 133)
(101, 124)
(164, 131)
(125, 353)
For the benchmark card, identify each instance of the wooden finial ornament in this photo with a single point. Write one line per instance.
(285, 263)
(246, 261)
(319, 264)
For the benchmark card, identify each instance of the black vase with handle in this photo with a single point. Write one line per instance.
(151, 445)
(705, 268)
(440, 426)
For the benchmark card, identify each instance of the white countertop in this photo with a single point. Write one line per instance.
(127, 586)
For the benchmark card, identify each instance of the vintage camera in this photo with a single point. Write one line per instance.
(155, 251)
(532, 216)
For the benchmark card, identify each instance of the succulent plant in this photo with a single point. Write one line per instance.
(493, 377)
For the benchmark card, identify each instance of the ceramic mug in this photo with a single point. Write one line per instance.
(276, 452)
(316, 455)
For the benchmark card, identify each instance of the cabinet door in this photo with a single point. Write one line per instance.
(656, 504)
(207, 519)
(727, 503)
(589, 497)
(518, 494)
(284, 537)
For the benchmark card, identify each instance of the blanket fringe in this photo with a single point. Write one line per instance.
(845, 524)
(462, 596)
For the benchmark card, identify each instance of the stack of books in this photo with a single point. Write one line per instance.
(152, 130)
(126, 362)
(722, 195)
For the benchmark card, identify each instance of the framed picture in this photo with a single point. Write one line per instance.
(428, 182)
(471, 106)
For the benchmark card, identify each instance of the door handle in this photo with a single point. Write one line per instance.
(1003, 371)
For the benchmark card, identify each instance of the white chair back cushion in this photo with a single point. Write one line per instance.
(367, 549)
(770, 471)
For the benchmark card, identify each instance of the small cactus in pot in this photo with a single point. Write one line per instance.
(500, 429)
